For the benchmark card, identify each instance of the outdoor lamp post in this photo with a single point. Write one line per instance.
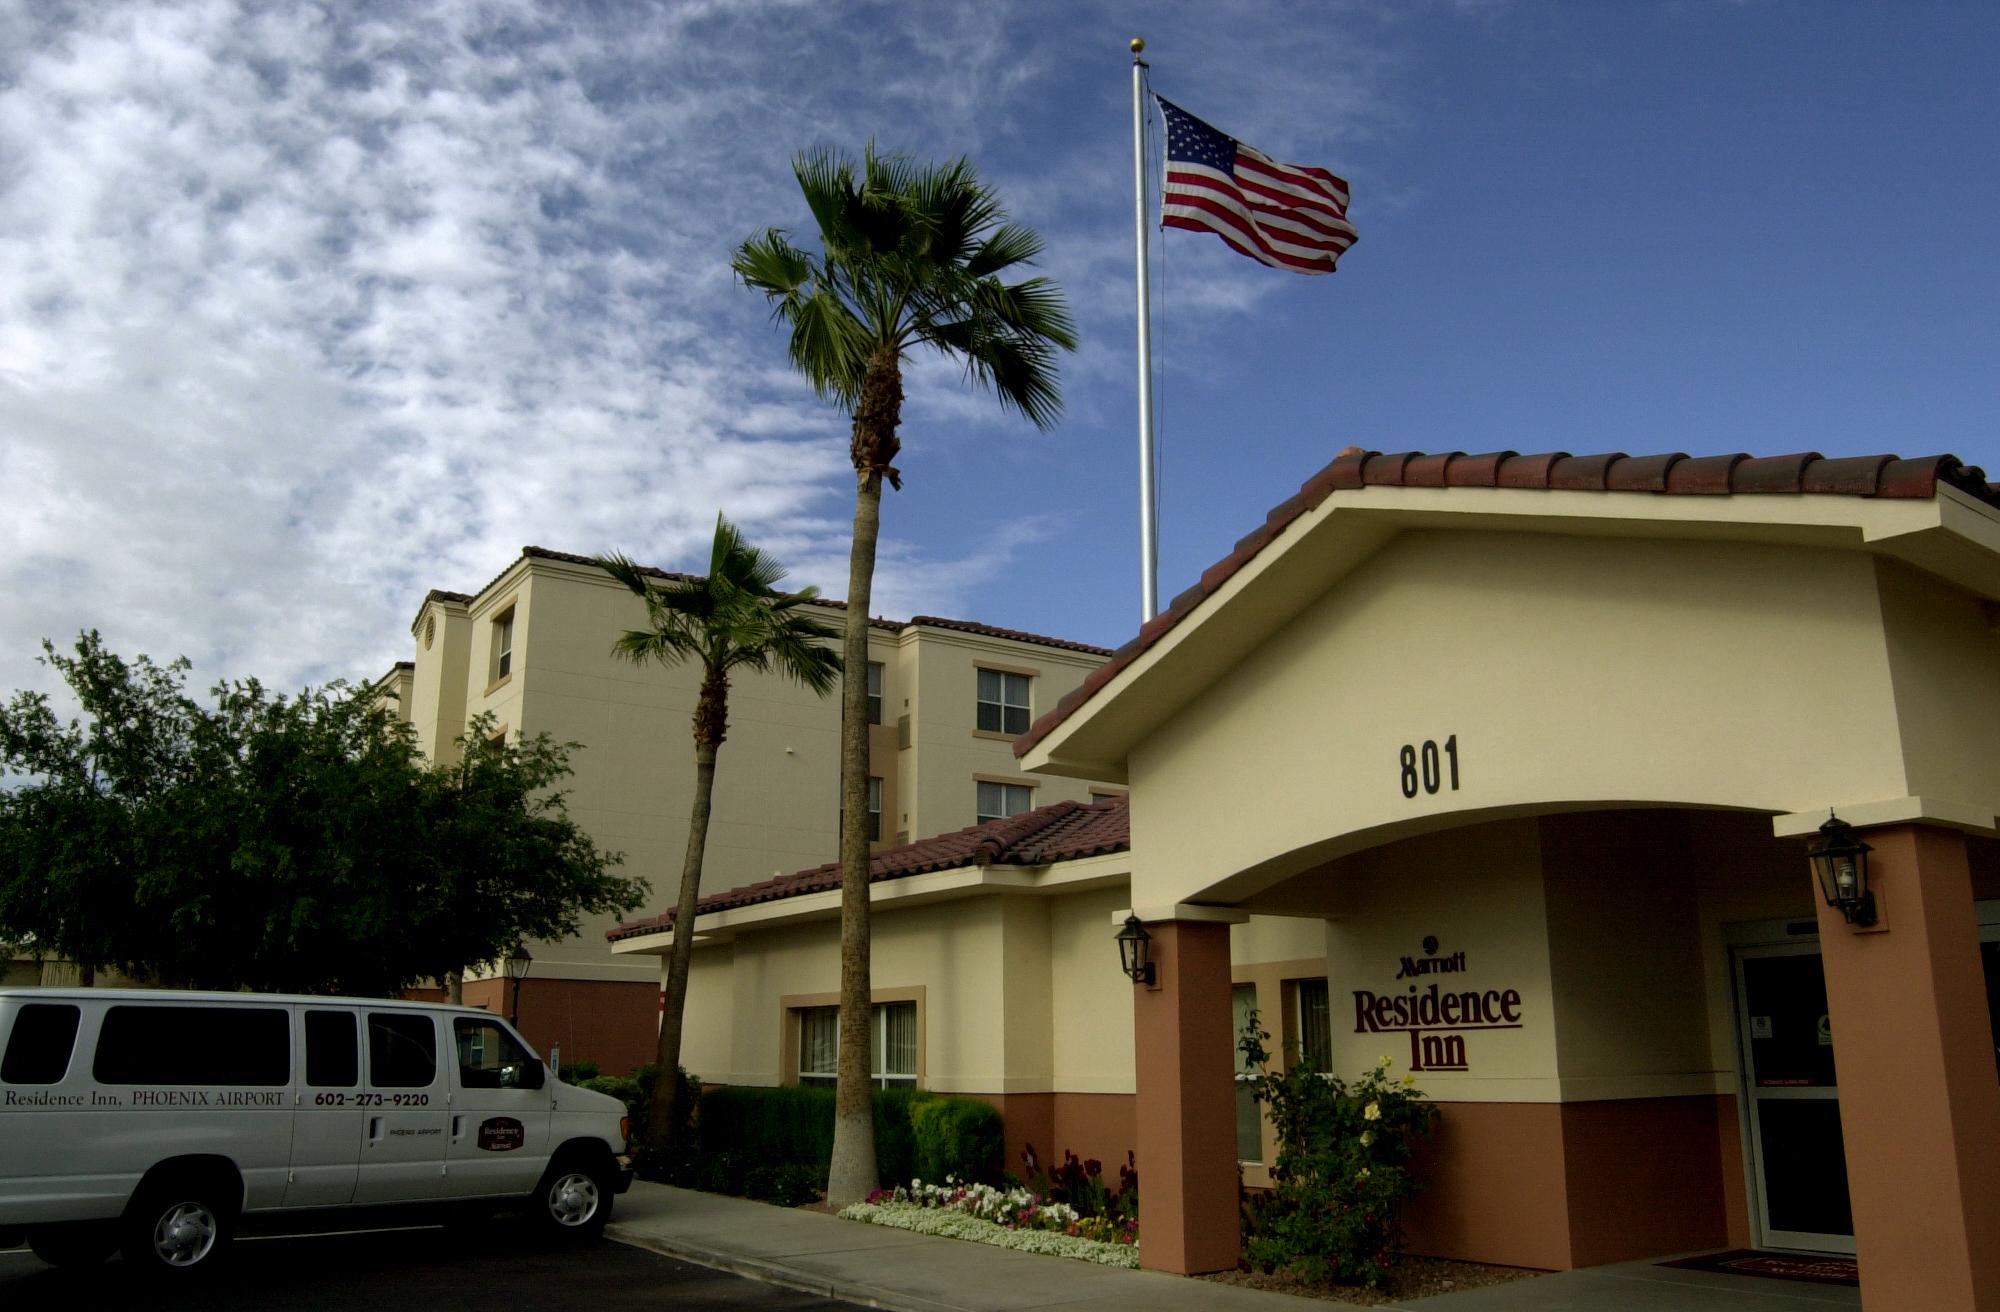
(1134, 947)
(1841, 862)
(517, 963)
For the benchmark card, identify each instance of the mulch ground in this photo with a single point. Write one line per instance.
(1414, 1277)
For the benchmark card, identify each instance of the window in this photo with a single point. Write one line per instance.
(333, 1050)
(874, 692)
(195, 1045)
(402, 1050)
(1315, 1025)
(998, 801)
(892, 1045)
(1249, 1123)
(491, 1058)
(38, 1051)
(1003, 702)
(503, 644)
(874, 809)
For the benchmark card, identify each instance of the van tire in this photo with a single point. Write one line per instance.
(573, 1201)
(179, 1227)
(77, 1245)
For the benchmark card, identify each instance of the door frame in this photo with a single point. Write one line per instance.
(1792, 943)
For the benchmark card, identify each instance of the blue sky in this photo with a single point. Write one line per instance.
(305, 310)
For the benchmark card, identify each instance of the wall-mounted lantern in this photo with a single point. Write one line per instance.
(517, 964)
(1134, 949)
(1841, 862)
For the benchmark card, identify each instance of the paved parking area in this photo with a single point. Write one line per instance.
(473, 1267)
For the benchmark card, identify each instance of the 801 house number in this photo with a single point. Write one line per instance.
(1426, 767)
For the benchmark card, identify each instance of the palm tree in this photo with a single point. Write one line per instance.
(911, 256)
(734, 618)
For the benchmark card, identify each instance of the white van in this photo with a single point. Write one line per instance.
(156, 1121)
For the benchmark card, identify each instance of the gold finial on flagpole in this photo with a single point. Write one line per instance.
(1138, 45)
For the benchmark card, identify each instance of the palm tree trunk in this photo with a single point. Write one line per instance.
(663, 1113)
(851, 1176)
(454, 988)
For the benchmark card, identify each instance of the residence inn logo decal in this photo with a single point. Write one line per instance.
(1437, 1017)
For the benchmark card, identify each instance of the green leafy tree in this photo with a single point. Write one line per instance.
(278, 843)
(911, 256)
(732, 619)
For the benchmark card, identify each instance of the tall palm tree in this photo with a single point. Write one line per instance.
(912, 255)
(733, 618)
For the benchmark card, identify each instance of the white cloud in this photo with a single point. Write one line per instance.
(306, 309)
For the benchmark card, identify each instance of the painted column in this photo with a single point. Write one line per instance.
(1919, 1099)
(1186, 1113)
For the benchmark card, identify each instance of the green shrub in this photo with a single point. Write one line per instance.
(1342, 1172)
(958, 1138)
(636, 1092)
(762, 1142)
(576, 1072)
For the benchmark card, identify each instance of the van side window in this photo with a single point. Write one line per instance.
(38, 1050)
(195, 1045)
(333, 1050)
(402, 1050)
(491, 1058)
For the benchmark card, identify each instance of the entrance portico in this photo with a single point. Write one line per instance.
(1517, 739)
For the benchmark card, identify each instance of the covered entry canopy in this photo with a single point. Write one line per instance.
(1573, 704)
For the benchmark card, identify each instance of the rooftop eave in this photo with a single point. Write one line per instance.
(1951, 534)
(901, 892)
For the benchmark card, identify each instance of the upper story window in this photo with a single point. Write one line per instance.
(503, 644)
(1003, 702)
(997, 801)
(874, 692)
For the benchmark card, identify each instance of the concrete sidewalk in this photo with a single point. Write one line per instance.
(880, 1267)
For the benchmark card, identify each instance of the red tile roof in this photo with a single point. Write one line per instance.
(1061, 831)
(1557, 471)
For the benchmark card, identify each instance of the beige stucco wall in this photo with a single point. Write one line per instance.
(1021, 993)
(437, 679)
(776, 800)
(938, 673)
(1479, 892)
(1570, 672)
(1945, 658)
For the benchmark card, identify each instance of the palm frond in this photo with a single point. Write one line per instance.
(1009, 245)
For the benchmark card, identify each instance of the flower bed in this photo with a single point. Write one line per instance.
(1008, 1218)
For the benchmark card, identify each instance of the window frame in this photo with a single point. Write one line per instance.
(979, 813)
(876, 677)
(796, 1008)
(1002, 723)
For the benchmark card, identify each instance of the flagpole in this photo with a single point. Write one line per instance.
(1149, 540)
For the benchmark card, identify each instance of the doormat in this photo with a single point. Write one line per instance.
(1825, 1270)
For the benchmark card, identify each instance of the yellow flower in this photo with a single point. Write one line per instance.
(1409, 1079)
(1384, 1062)
(1372, 1112)
(1367, 1137)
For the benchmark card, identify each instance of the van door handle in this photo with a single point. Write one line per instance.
(374, 1129)
(457, 1128)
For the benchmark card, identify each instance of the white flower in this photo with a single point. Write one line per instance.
(1384, 1061)
(1367, 1137)
(1409, 1080)
(1372, 1112)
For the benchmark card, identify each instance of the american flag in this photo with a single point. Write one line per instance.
(1284, 215)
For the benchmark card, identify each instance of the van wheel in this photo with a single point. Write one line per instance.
(181, 1226)
(573, 1201)
(74, 1245)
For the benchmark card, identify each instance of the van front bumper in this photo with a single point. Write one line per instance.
(625, 1172)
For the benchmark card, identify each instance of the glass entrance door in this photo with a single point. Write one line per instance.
(1793, 1099)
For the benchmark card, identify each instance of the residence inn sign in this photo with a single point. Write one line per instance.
(1436, 1017)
